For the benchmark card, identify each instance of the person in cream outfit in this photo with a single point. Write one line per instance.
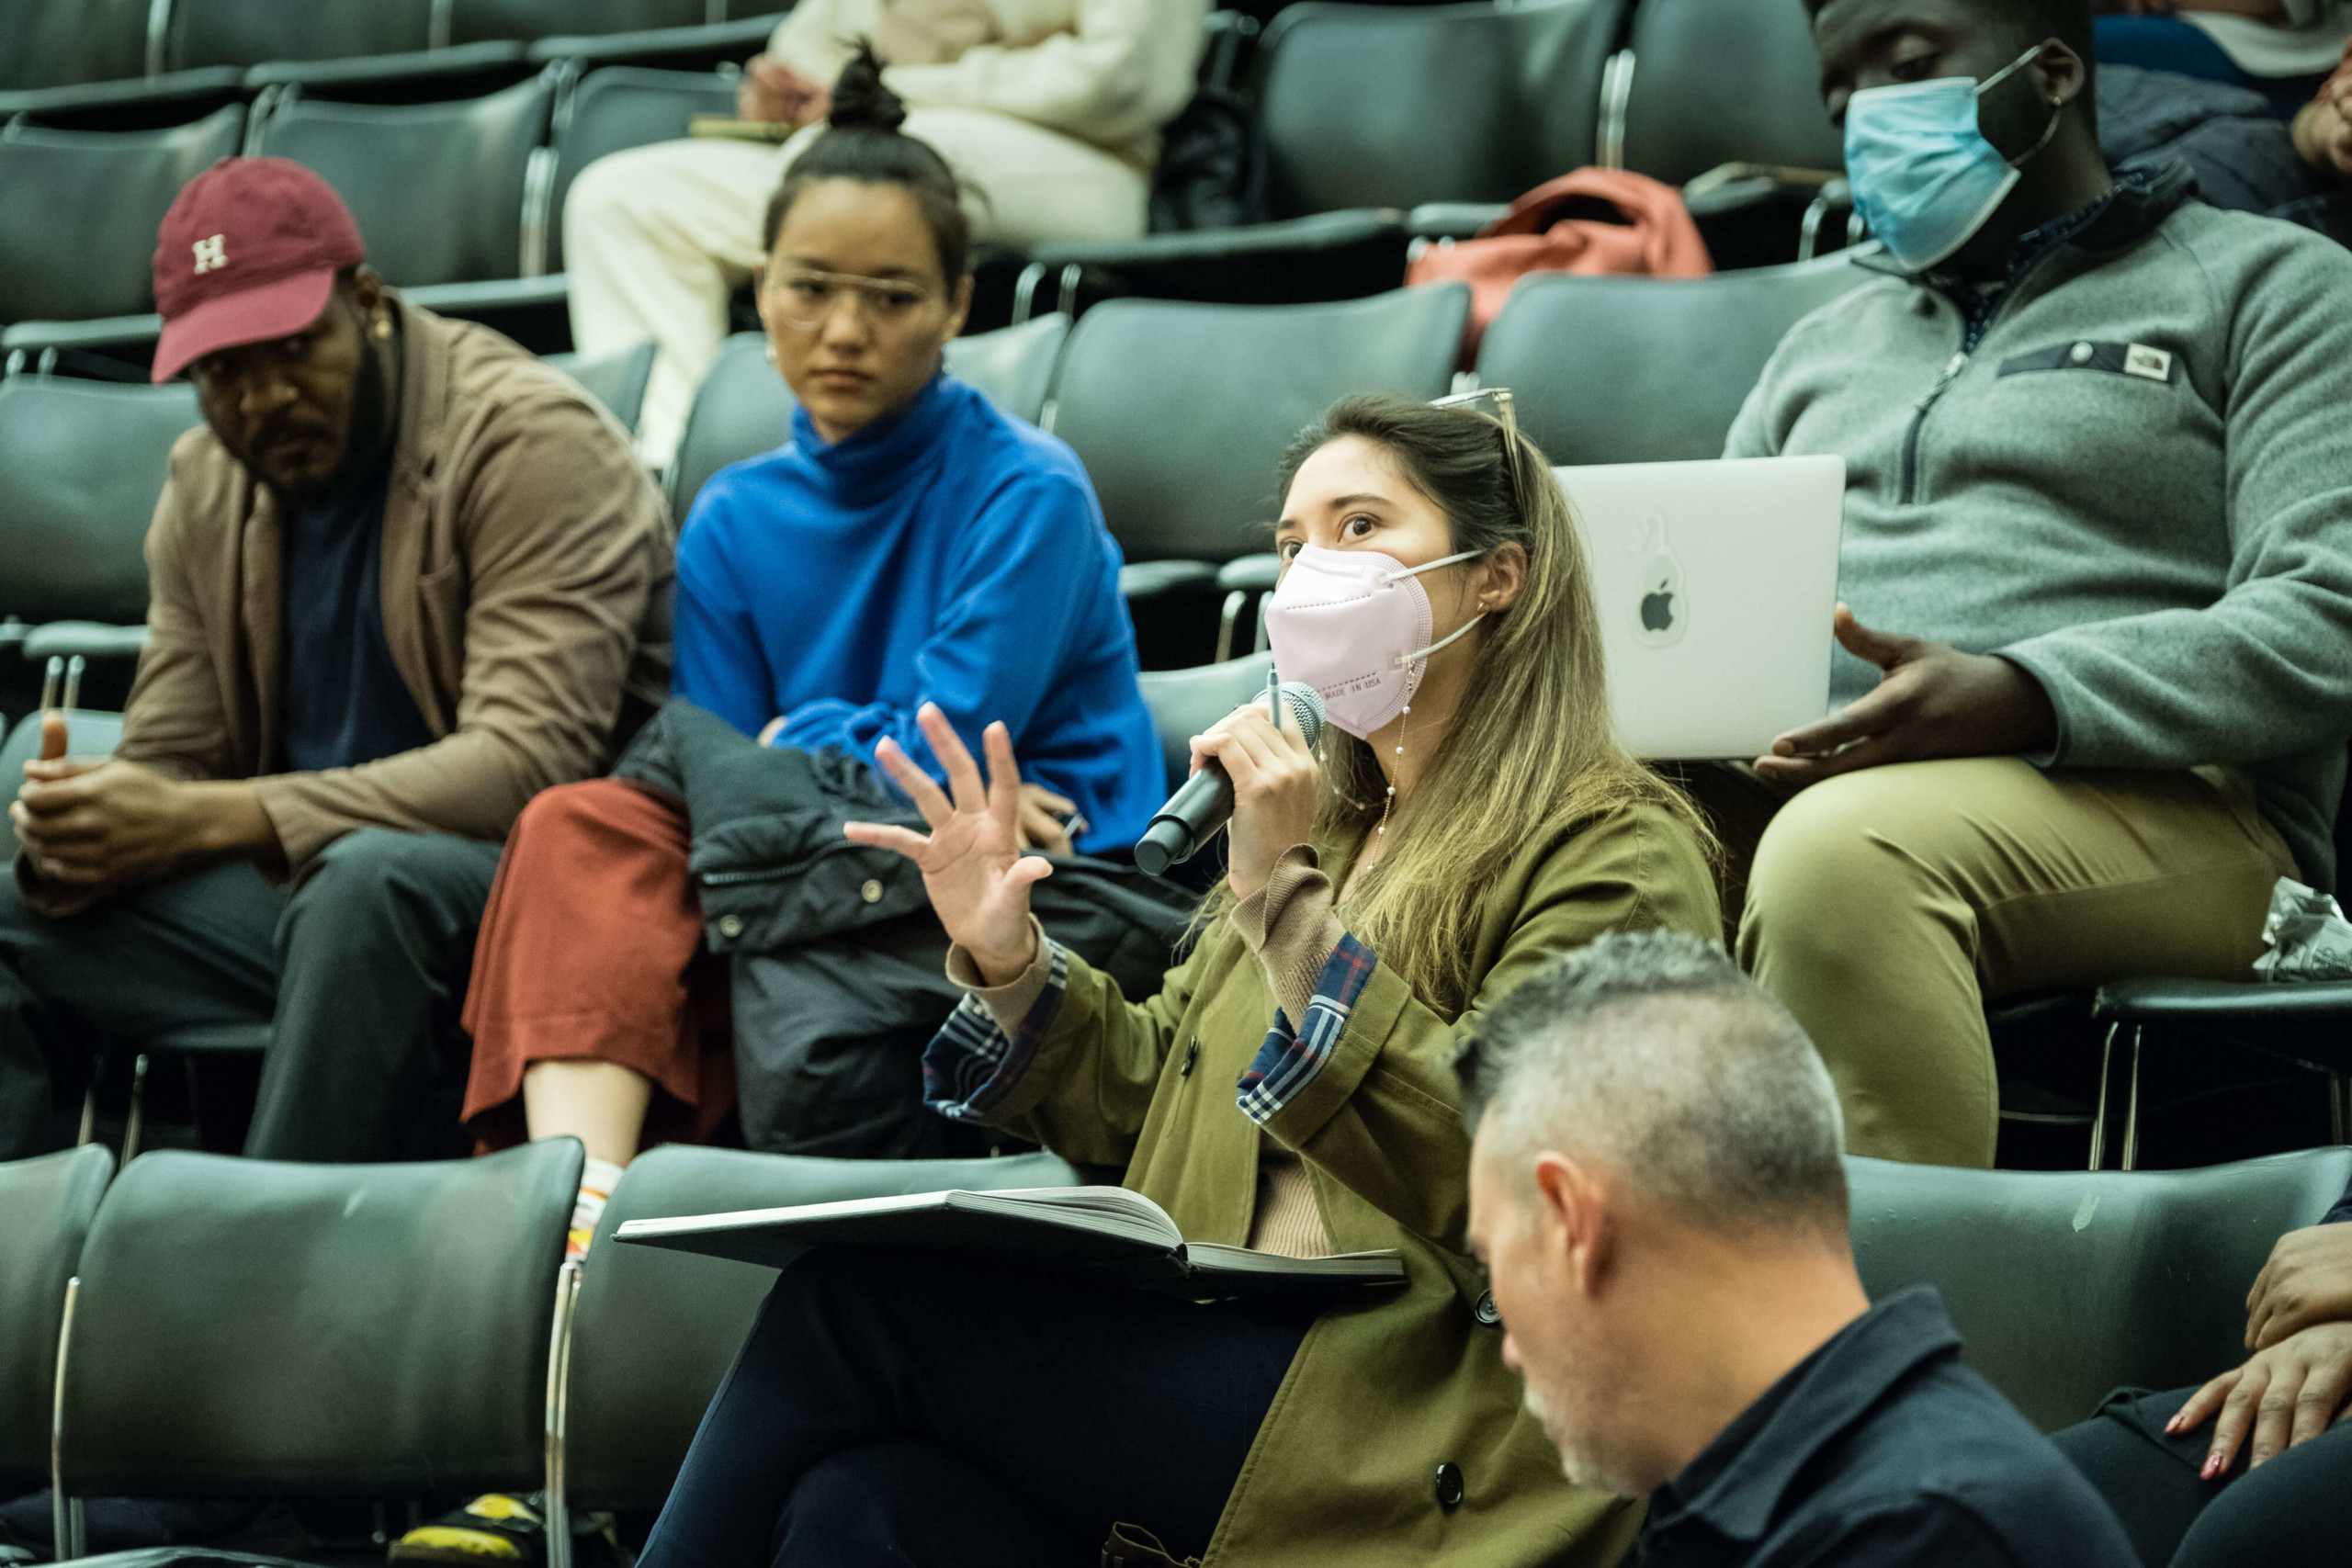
(1047, 110)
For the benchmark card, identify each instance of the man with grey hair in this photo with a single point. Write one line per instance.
(1658, 1188)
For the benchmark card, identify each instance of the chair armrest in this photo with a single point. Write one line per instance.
(92, 639)
(1452, 220)
(1251, 574)
(1145, 579)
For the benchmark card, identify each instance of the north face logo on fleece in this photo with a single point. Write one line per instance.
(211, 254)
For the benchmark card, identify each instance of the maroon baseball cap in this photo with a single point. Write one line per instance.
(248, 250)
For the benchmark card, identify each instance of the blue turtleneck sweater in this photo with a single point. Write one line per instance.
(945, 554)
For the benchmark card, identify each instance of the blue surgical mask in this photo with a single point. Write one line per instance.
(1924, 177)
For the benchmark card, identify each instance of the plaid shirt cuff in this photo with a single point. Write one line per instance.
(971, 1064)
(1290, 1059)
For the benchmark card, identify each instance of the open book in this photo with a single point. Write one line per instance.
(1105, 1230)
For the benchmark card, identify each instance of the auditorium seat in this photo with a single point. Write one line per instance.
(1183, 703)
(81, 465)
(1365, 112)
(743, 407)
(248, 1328)
(1644, 369)
(616, 381)
(438, 189)
(78, 212)
(1704, 83)
(246, 32)
(2066, 1285)
(55, 43)
(618, 108)
(655, 1330)
(1181, 413)
(49, 1203)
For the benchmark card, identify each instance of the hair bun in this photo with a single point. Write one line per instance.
(860, 100)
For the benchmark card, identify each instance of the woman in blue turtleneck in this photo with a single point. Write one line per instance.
(911, 547)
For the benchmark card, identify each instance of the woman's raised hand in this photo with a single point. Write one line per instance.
(971, 859)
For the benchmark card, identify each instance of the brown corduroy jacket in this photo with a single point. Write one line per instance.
(526, 581)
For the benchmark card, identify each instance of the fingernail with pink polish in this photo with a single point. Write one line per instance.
(2212, 1467)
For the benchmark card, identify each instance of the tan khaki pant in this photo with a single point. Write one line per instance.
(1885, 907)
(656, 238)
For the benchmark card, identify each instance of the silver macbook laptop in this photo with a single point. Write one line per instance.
(1716, 582)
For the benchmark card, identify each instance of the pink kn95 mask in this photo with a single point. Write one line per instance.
(1354, 624)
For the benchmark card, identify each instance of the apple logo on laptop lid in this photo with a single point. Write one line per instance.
(1664, 610)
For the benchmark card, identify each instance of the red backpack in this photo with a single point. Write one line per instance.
(1658, 240)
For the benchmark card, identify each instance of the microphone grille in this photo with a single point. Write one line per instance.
(1305, 705)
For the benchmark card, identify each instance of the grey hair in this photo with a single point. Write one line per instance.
(1651, 1055)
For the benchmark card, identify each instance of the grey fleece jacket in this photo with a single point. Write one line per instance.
(2137, 485)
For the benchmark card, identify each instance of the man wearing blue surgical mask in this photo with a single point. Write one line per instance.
(2096, 672)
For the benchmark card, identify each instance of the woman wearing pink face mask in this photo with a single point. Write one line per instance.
(1290, 1088)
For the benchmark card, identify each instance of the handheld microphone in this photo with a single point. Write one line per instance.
(1203, 805)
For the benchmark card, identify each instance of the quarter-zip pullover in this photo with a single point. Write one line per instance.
(2135, 482)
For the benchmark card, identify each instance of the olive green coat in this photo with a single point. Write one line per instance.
(1390, 1384)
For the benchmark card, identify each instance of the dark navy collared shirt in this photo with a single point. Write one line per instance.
(1880, 1448)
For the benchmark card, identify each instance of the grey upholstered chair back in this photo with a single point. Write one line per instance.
(57, 43)
(616, 381)
(1392, 105)
(246, 32)
(1181, 411)
(248, 1327)
(656, 1330)
(81, 465)
(2066, 1285)
(1721, 81)
(46, 1207)
(437, 188)
(618, 108)
(1183, 703)
(1646, 370)
(78, 212)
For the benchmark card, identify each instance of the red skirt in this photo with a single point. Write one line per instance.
(591, 949)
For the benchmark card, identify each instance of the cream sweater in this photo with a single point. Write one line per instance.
(1107, 72)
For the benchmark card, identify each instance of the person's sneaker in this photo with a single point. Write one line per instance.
(495, 1529)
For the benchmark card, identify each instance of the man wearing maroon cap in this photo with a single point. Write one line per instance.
(403, 577)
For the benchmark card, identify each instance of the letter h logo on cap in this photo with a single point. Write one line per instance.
(290, 235)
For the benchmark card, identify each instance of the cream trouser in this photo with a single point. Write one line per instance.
(656, 238)
(1884, 906)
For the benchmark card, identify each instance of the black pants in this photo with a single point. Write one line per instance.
(2296, 1509)
(354, 971)
(908, 1408)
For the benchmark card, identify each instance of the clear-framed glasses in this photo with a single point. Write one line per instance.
(806, 299)
(1495, 403)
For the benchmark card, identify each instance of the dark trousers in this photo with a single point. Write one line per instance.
(929, 1411)
(354, 972)
(2296, 1509)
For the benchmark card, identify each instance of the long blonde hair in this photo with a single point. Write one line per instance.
(1532, 749)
